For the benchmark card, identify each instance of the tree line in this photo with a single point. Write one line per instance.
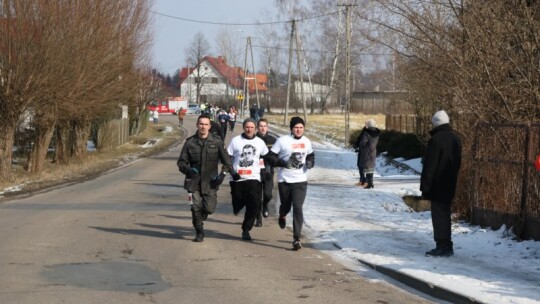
(66, 66)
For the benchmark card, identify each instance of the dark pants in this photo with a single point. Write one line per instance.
(223, 129)
(246, 193)
(442, 225)
(292, 195)
(202, 204)
(268, 186)
(362, 173)
(231, 124)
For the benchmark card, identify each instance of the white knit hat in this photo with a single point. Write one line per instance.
(371, 123)
(440, 118)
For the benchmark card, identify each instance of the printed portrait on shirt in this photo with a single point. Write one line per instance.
(296, 160)
(247, 156)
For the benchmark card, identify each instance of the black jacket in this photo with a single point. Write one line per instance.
(368, 148)
(204, 155)
(441, 165)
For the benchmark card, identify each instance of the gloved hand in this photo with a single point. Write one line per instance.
(235, 175)
(284, 164)
(217, 180)
(192, 173)
(310, 161)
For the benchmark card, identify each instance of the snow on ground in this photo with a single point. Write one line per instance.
(377, 227)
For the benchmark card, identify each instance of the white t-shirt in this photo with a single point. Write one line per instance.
(245, 154)
(293, 151)
(232, 116)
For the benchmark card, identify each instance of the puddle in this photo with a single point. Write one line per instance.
(115, 276)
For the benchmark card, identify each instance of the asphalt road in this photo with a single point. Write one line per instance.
(126, 237)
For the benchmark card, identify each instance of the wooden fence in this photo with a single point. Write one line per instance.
(113, 133)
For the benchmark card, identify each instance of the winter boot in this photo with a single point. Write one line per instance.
(245, 235)
(258, 222)
(199, 235)
(369, 178)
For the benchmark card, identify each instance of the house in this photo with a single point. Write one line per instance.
(219, 82)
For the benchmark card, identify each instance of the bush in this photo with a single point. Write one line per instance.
(396, 144)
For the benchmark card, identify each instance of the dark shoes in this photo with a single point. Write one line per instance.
(258, 224)
(440, 252)
(369, 186)
(282, 222)
(199, 236)
(265, 211)
(246, 236)
(296, 245)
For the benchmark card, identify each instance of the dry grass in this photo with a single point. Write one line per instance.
(329, 127)
(91, 165)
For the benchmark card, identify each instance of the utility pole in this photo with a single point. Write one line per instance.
(253, 69)
(293, 25)
(245, 75)
(299, 64)
(347, 69)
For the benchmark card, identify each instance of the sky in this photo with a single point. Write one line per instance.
(171, 36)
(358, 226)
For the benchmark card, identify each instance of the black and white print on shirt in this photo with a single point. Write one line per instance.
(247, 156)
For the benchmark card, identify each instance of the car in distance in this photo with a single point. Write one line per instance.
(193, 108)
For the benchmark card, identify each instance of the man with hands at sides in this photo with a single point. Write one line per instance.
(199, 161)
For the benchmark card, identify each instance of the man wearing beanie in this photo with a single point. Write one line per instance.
(246, 190)
(294, 155)
(439, 179)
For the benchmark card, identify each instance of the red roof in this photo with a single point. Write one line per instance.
(234, 75)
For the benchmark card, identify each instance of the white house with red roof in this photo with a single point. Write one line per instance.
(220, 82)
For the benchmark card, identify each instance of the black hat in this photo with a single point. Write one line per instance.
(296, 120)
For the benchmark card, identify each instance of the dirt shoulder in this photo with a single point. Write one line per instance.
(154, 140)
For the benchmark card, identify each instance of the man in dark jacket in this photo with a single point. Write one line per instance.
(267, 174)
(439, 179)
(199, 160)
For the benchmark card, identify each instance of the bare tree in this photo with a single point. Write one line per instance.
(195, 53)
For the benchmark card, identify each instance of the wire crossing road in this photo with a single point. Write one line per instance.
(126, 237)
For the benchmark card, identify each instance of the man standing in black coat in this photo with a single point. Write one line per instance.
(439, 179)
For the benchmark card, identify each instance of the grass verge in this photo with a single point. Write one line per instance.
(92, 164)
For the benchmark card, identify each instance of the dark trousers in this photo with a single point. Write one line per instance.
(292, 195)
(442, 225)
(362, 173)
(246, 193)
(202, 203)
(231, 124)
(223, 129)
(267, 187)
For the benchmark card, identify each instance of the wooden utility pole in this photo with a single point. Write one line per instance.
(347, 70)
(253, 69)
(293, 25)
(299, 64)
(245, 75)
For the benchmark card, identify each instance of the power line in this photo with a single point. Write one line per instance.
(322, 51)
(243, 24)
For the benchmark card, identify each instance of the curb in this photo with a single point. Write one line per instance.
(420, 285)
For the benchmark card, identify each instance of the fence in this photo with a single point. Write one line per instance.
(383, 102)
(408, 123)
(506, 184)
(113, 133)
